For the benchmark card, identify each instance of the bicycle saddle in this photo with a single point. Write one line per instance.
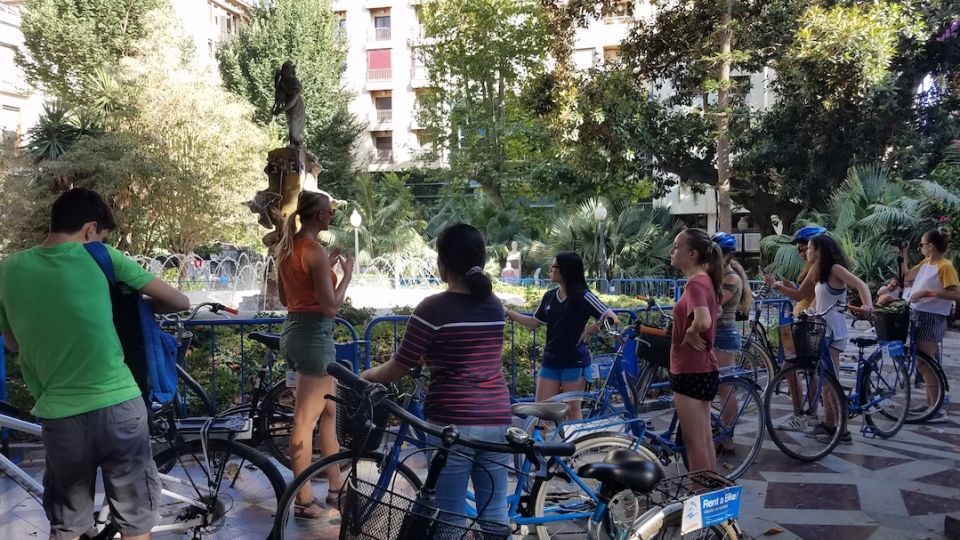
(863, 342)
(547, 410)
(271, 341)
(623, 469)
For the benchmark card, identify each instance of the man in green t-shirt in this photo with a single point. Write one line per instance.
(55, 311)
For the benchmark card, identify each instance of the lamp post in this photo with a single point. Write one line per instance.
(600, 213)
(355, 221)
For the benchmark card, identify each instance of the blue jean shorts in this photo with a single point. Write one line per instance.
(728, 339)
(565, 374)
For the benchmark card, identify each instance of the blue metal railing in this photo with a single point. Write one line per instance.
(360, 352)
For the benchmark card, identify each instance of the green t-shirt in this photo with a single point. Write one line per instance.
(56, 301)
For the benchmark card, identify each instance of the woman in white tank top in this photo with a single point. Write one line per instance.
(831, 265)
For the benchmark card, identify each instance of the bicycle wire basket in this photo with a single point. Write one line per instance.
(892, 325)
(353, 412)
(684, 486)
(370, 512)
(654, 349)
(807, 335)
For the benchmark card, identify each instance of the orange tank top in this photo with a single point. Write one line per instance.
(297, 284)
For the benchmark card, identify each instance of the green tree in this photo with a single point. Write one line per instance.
(477, 55)
(303, 31)
(176, 166)
(66, 41)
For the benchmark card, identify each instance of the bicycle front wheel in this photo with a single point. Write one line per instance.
(235, 484)
(369, 468)
(927, 391)
(560, 494)
(884, 394)
(275, 422)
(756, 360)
(738, 424)
(795, 395)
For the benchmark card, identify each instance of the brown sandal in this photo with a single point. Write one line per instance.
(303, 511)
(333, 496)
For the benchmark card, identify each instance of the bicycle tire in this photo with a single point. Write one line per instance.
(246, 494)
(569, 493)
(745, 431)
(919, 390)
(754, 357)
(887, 381)
(777, 403)
(670, 529)
(284, 527)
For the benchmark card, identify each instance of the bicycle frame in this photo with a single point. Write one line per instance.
(35, 488)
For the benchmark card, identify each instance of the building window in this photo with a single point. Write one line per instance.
(693, 221)
(10, 127)
(619, 11)
(418, 65)
(384, 107)
(341, 28)
(378, 65)
(611, 54)
(381, 24)
(584, 59)
(383, 148)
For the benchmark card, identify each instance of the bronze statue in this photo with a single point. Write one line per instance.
(288, 99)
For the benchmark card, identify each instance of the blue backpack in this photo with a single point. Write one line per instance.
(150, 353)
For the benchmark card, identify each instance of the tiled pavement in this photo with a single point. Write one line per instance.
(874, 489)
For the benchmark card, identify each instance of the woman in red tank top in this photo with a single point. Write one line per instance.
(313, 300)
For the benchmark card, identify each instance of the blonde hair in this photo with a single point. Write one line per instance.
(746, 295)
(308, 204)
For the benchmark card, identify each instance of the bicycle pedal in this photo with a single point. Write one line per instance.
(868, 432)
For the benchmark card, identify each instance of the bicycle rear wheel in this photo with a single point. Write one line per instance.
(755, 359)
(559, 494)
(927, 395)
(884, 394)
(738, 426)
(809, 395)
(275, 423)
(670, 530)
(238, 486)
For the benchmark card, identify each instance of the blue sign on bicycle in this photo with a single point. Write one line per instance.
(711, 508)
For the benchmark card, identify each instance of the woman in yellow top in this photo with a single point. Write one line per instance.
(935, 289)
(312, 300)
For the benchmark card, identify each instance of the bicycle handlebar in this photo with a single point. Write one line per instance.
(215, 307)
(839, 306)
(350, 379)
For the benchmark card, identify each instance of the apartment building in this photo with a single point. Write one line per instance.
(385, 72)
(20, 104)
(206, 23)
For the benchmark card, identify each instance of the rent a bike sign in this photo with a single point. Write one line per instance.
(711, 508)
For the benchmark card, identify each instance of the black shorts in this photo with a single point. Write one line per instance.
(701, 386)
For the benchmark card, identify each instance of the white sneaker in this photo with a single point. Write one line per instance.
(796, 422)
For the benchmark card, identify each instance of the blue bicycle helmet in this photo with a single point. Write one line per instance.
(806, 233)
(726, 241)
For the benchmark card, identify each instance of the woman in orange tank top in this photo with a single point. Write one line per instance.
(313, 300)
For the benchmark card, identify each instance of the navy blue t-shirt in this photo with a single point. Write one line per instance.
(565, 320)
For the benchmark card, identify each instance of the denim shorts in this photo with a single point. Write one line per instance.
(564, 374)
(728, 339)
(307, 343)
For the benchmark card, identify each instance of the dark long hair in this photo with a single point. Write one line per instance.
(830, 254)
(463, 252)
(710, 254)
(570, 266)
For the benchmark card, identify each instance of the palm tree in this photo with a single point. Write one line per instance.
(58, 129)
(637, 239)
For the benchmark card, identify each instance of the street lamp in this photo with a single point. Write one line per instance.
(600, 213)
(355, 221)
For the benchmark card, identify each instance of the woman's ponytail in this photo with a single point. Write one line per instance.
(308, 204)
(478, 282)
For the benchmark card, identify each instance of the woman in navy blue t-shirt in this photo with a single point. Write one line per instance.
(565, 310)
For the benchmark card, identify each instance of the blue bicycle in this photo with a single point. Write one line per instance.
(808, 386)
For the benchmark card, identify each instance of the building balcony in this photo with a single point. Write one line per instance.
(379, 75)
(381, 117)
(419, 78)
(381, 34)
(383, 155)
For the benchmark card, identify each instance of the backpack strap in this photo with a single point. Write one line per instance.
(102, 257)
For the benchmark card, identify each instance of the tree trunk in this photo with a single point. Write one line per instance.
(724, 206)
